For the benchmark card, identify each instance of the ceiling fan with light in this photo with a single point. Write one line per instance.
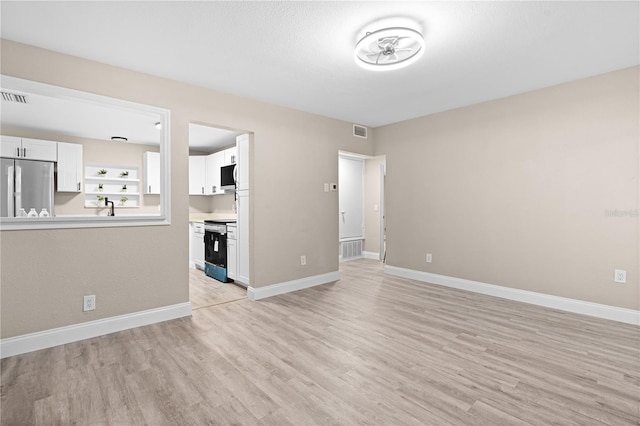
(389, 48)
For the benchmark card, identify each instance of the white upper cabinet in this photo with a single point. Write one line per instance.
(197, 167)
(230, 156)
(212, 173)
(242, 172)
(10, 146)
(28, 149)
(151, 170)
(204, 171)
(69, 167)
(36, 149)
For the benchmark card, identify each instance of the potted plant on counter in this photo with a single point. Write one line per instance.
(100, 201)
(102, 172)
(100, 187)
(123, 200)
(124, 174)
(124, 188)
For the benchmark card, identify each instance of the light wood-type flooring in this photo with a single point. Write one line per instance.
(205, 291)
(369, 349)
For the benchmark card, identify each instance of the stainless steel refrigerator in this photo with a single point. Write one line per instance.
(25, 184)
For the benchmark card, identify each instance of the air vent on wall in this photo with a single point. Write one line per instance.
(14, 97)
(351, 249)
(359, 131)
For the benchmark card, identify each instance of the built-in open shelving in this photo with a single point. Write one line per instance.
(113, 185)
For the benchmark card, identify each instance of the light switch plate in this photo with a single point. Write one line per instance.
(620, 276)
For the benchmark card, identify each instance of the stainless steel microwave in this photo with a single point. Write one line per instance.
(228, 177)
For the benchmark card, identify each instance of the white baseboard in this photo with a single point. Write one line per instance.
(257, 293)
(349, 259)
(614, 313)
(59, 336)
(371, 255)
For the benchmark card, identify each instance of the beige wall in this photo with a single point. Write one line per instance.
(372, 199)
(515, 192)
(225, 204)
(45, 273)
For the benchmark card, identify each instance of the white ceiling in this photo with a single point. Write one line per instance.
(204, 138)
(77, 118)
(54, 110)
(300, 54)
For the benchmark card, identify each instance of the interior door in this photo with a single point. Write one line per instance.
(351, 197)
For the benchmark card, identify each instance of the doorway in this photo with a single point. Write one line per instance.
(210, 150)
(361, 206)
(351, 198)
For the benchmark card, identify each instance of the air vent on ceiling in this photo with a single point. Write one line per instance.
(14, 97)
(359, 131)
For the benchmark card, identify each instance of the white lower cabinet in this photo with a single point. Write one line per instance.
(232, 252)
(196, 246)
(242, 238)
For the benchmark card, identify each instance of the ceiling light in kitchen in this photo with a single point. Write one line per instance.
(119, 139)
(389, 48)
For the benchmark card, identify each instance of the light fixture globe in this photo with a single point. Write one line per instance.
(389, 49)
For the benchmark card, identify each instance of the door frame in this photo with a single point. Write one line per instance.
(361, 158)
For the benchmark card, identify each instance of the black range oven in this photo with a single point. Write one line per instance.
(215, 250)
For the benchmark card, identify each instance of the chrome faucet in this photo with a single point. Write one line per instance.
(111, 211)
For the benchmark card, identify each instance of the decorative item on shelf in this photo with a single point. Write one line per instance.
(100, 188)
(123, 201)
(124, 188)
(124, 174)
(100, 201)
(102, 172)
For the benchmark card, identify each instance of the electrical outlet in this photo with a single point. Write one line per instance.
(620, 276)
(334, 187)
(89, 303)
(303, 260)
(429, 258)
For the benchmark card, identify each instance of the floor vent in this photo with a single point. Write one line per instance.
(13, 97)
(351, 249)
(359, 131)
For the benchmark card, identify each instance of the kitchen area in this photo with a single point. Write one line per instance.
(218, 215)
(108, 169)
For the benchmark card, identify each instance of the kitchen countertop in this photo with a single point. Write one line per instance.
(221, 217)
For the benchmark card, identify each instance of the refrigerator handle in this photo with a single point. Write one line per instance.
(10, 189)
(18, 188)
